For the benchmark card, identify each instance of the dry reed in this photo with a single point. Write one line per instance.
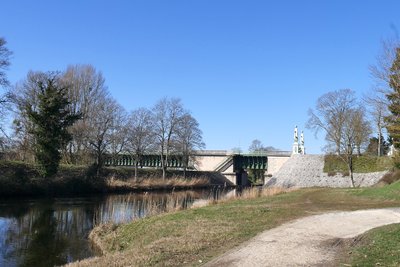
(148, 183)
(254, 192)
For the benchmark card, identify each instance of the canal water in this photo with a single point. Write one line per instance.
(49, 232)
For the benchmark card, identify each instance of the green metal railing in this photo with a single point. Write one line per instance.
(153, 161)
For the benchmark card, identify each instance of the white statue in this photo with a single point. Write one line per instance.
(296, 137)
(302, 138)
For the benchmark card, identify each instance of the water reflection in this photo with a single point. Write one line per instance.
(48, 232)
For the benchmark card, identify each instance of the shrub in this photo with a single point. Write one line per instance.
(391, 177)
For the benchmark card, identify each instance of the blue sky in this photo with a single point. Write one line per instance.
(246, 69)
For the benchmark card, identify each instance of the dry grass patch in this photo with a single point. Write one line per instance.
(255, 192)
(156, 183)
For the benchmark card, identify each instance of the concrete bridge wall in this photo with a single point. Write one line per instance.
(210, 160)
(275, 163)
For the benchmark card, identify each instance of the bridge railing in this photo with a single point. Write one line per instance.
(270, 153)
(211, 153)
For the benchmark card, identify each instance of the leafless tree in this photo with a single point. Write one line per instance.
(256, 146)
(87, 92)
(167, 114)
(378, 108)
(100, 119)
(5, 55)
(5, 98)
(354, 123)
(330, 115)
(362, 129)
(119, 132)
(381, 70)
(140, 135)
(189, 138)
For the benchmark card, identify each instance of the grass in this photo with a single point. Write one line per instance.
(194, 236)
(362, 164)
(388, 192)
(377, 247)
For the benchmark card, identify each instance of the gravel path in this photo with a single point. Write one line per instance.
(300, 243)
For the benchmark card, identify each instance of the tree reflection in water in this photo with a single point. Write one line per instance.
(50, 232)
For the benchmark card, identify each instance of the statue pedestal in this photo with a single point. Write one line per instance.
(295, 149)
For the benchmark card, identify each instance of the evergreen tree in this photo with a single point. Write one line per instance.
(393, 120)
(51, 119)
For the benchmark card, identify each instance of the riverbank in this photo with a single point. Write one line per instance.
(195, 236)
(21, 179)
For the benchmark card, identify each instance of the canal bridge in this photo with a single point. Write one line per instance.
(233, 166)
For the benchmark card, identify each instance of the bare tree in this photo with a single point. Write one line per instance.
(140, 135)
(99, 126)
(378, 109)
(256, 146)
(119, 132)
(87, 92)
(381, 70)
(330, 115)
(344, 122)
(166, 114)
(354, 123)
(189, 138)
(362, 129)
(5, 55)
(378, 99)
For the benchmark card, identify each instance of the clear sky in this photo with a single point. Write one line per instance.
(246, 69)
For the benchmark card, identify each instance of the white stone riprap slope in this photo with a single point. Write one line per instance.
(307, 171)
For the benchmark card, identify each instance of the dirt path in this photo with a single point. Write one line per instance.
(299, 243)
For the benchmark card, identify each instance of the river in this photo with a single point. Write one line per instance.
(49, 232)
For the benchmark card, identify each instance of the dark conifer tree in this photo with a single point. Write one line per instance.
(51, 120)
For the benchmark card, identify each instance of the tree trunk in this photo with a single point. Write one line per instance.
(136, 168)
(165, 164)
(162, 166)
(185, 165)
(379, 144)
(350, 165)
